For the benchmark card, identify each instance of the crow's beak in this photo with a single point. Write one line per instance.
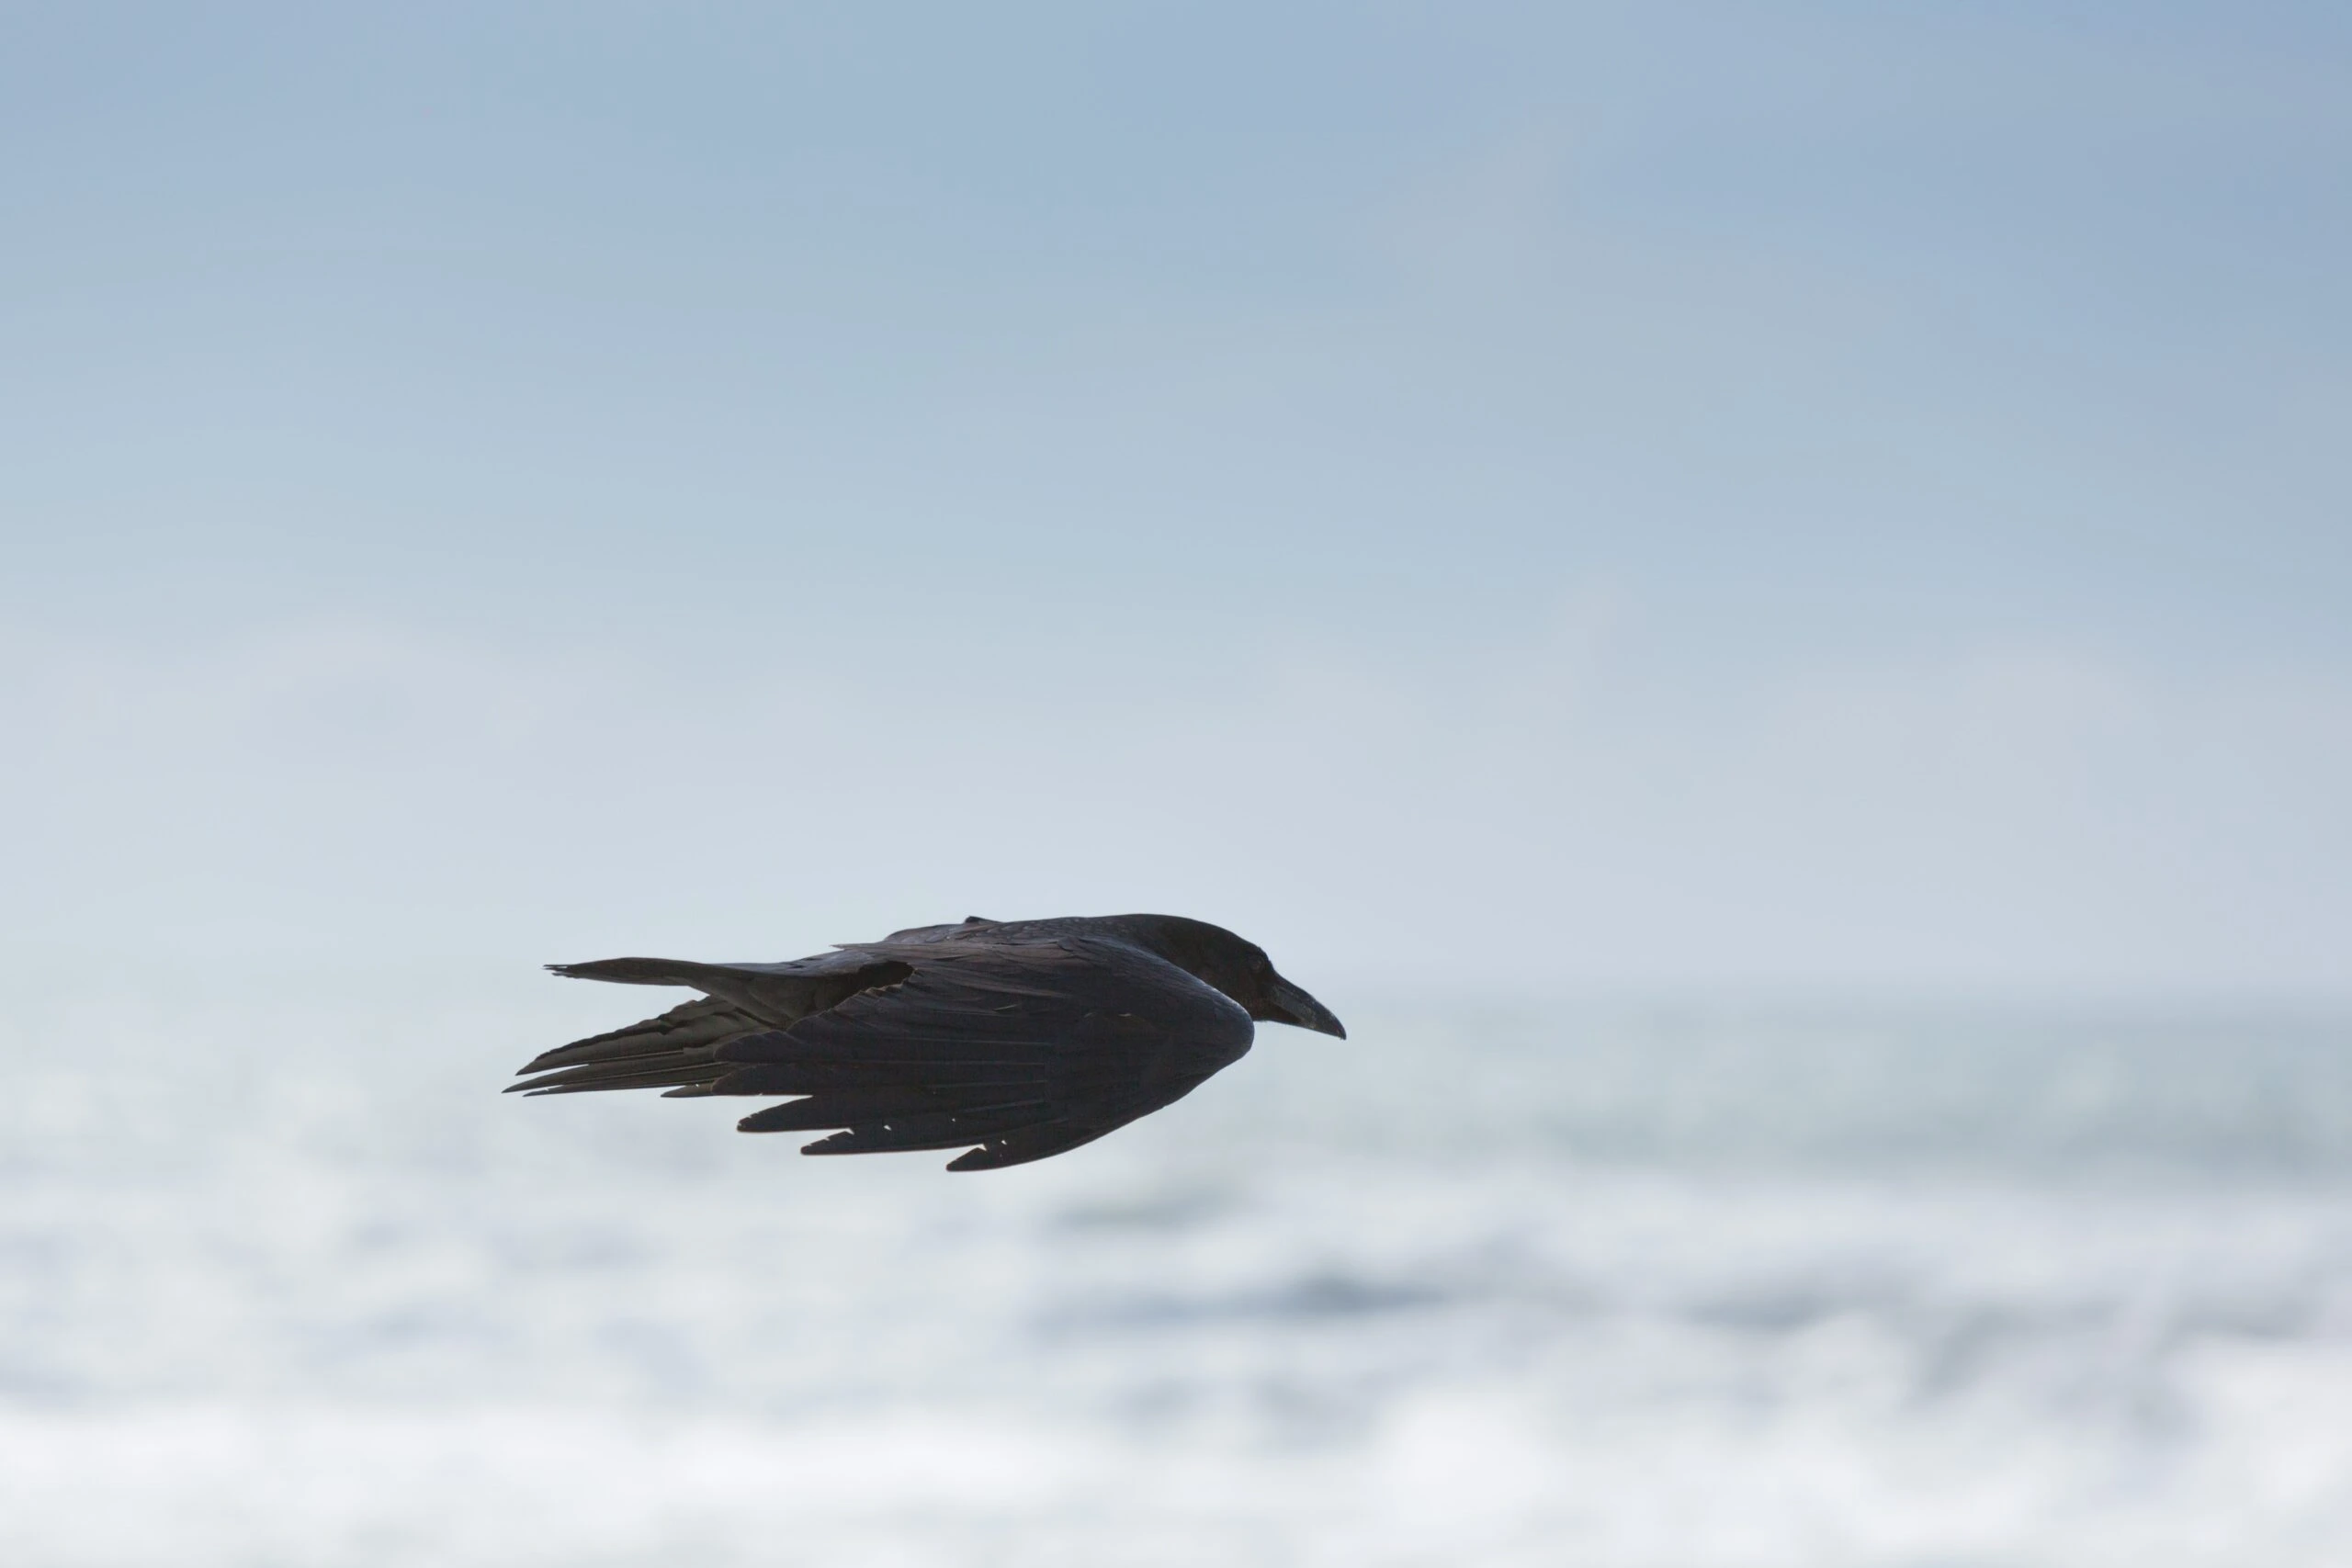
(1285, 1003)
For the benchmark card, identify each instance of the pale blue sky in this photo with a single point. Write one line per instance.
(1617, 496)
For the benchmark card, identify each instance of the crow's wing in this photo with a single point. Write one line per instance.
(1025, 1049)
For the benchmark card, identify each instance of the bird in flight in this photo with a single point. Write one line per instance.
(1022, 1038)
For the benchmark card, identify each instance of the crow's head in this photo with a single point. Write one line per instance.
(1240, 969)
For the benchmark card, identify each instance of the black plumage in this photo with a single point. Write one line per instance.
(1022, 1038)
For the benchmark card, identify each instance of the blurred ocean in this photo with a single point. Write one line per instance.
(293, 1285)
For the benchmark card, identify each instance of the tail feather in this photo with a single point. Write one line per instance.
(693, 1024)
(581, 1081)
(680, 1050)
(782, 994)
(641, 971)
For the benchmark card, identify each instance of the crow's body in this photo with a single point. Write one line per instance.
(1023, 1038)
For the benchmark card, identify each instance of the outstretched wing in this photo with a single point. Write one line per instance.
(1023, 1049)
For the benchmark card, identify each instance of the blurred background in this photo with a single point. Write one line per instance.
(1755, 596)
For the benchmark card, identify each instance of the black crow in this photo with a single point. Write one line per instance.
(1021, 1037)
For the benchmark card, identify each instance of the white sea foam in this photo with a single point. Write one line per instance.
(291, 1286)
